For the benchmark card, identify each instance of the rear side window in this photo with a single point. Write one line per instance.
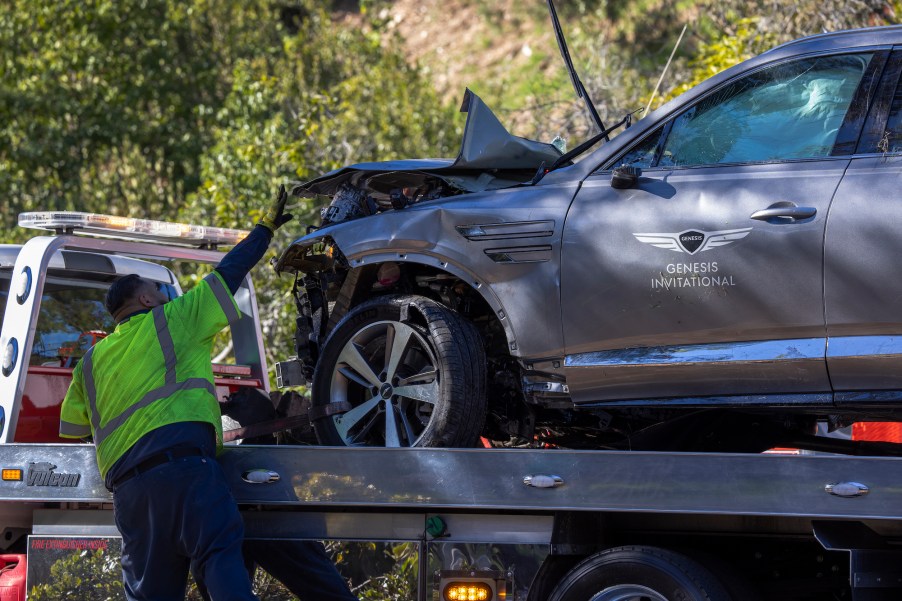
(889, 140)
(72, 318)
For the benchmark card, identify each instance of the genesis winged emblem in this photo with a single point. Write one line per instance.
(693, 241)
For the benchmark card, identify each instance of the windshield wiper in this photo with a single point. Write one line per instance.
(574, 78)
(568, 156)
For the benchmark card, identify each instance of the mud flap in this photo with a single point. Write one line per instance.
(874, 565)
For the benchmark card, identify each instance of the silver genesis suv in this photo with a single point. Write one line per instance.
(718, 276)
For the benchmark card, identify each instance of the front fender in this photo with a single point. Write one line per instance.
(505, 244)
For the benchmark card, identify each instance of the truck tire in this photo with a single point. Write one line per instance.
(400, 371)
(639, 573)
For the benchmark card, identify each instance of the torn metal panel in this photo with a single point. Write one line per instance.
(490, 158)
(488, 145)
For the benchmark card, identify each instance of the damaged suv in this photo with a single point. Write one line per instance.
(716, 277)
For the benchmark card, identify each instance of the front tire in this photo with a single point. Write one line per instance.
(400, 371)
(639, 574)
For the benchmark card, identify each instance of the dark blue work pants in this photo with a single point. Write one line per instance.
(178, 515)
(302, 566)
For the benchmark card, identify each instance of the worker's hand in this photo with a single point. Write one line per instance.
(275, 217)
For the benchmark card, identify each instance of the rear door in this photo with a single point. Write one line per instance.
(707, 278)
(863, 259)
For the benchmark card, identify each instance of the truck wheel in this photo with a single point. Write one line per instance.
(400, 371)
(639, 574)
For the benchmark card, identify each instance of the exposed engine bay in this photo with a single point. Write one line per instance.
(387, 191)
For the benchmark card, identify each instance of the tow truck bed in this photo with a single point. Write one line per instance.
(493, 480)
(482, 502)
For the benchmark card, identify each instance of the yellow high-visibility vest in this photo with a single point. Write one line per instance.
(152, 371)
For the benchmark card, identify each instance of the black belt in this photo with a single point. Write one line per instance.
(155, 460)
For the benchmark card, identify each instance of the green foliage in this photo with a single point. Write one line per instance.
(86, 575)
(197, 111)
(735, 30)
(622, 48)
(748, 38)
(376, 571)
(329, 96)
(107, 103)
(400, 582)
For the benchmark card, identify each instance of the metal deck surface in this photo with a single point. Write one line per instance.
(492, 480)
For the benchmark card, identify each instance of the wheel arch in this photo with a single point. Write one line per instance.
(505, 245)
(551, 572)
(659, 571)
(437, 265)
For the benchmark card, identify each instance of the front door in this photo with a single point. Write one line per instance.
(706, 279)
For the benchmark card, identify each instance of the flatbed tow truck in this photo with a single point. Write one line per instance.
(516, 524)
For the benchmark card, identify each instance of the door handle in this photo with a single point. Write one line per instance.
(784, 212)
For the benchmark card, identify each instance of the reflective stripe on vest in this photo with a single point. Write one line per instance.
(166, 344)
(90, 389)
(223, 297)
(74, 430)
(168, 389)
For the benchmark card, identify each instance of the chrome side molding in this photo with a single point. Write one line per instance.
(734, 352)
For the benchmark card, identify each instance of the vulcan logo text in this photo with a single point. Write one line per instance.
(42, 474)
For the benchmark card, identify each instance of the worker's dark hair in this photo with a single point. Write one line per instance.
(121, 291)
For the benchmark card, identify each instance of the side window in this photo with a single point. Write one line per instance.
(72, 315)
(789, 111)
(890, 142)
(642, 155)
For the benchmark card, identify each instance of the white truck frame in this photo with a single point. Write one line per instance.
(801, 526)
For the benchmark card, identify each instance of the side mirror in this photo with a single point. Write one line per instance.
(625, 177)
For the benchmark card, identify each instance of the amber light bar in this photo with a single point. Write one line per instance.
(129, 228)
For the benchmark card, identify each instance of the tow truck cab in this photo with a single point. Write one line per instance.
(71, 319)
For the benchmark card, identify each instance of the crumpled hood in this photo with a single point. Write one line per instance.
(488, 145)
(490, 158)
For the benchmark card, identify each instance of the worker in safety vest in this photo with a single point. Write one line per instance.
(145, 394)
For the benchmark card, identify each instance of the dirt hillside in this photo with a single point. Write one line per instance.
(470, 43)
(506, 52)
